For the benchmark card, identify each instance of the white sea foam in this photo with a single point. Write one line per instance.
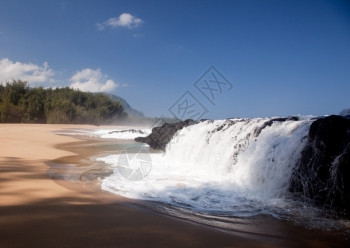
(109, 133)
(122, 133)
(220, 166)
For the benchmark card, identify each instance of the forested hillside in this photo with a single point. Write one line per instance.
(20, 103)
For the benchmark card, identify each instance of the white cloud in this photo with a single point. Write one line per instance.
(86, 79)
(92, 81)
(124, 20)
(25, 71)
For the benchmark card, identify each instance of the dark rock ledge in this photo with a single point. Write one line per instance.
(162, 135)
(322, 173)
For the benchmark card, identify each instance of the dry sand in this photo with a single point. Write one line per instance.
(36, 211)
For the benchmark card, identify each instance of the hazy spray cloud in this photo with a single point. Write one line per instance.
(92, 81)
(29, 72)
(125, 20)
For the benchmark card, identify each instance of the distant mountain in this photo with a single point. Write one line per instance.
(127, 108)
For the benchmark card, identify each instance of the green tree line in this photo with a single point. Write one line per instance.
(20, 103)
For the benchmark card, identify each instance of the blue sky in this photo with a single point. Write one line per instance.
(282, 57)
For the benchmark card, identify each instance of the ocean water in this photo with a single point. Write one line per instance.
(224, 168)
(121, 134)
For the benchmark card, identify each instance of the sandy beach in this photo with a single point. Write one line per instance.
(35, 211)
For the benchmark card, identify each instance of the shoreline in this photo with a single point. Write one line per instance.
(35, 211)
(258, 228)
(248, 228)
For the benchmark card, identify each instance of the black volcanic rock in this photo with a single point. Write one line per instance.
(162, 135)
(323, 171)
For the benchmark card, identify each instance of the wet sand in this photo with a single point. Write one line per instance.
(36, 211)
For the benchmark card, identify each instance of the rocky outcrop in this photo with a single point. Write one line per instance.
(162, 135)
(322, 173)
